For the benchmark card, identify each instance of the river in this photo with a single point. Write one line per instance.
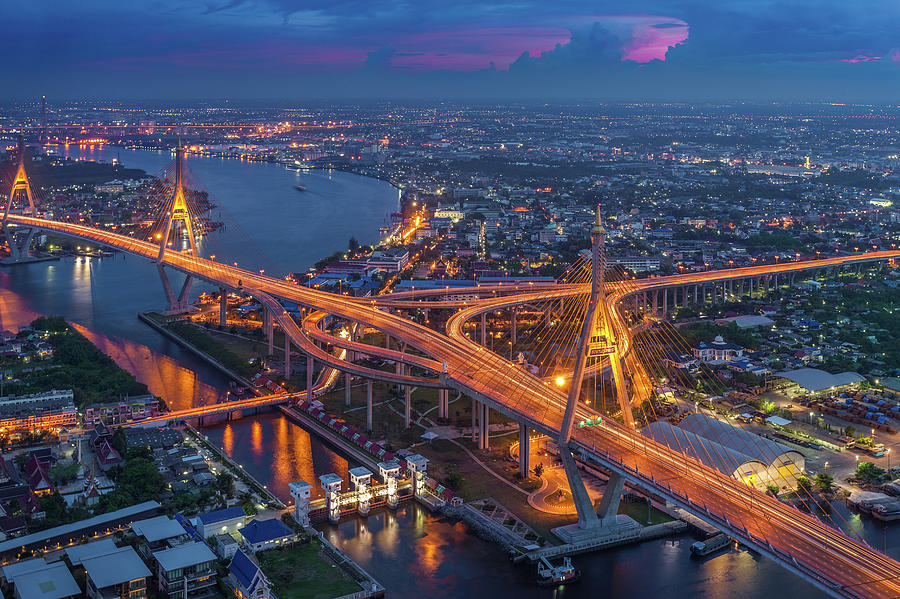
(412, 552)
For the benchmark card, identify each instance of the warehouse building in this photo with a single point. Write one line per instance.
(754, 460)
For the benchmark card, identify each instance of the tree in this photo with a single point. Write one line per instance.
(225, 484)
(54, 508)
(353, 245)
(539, 470)
(118, 440)
(804, 484)
(869, 472)
(850, 430)
(246, 501)
(824, 482)
(63, 472)
(772, 489)
(453, 478)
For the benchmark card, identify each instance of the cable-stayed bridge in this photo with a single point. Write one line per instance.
(606, 315)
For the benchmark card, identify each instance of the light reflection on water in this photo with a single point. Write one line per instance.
(277, 452)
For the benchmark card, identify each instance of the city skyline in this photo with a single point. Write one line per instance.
(247, 49)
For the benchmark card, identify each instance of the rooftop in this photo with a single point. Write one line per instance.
(260, 531)
(115, 568)
(228, 513)
(51, 581)
(244, 569)
(73, 527)
(79, 553)
(157, 528)
(813, 379)
(184, 556)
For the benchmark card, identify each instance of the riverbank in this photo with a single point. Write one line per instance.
(153, 321)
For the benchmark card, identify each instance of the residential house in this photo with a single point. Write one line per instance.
(247, 580)
(228, 520)
(260, 535)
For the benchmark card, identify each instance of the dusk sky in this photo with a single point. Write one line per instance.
(526, 49)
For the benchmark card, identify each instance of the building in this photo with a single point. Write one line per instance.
(158, 533)
(185, 570)
(751, 459)
(392, 260)
(226, 546)
(635, 263)
(101, 441)
(118, 412)
(120, 574)
(52, 538)
(812, 381)
(453, 214)
(680, 361)
(718, 351)
(36, 579)
(48, 411)
(750, 321)
(229, 520)
(260, 535)
(783, 463)
(247, 580)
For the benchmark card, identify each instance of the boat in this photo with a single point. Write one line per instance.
(300, 188)
(887, 511)
(551, 576)
(711, 545)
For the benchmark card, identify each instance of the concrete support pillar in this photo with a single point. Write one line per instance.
(609, 504)
(475, 407)
(287, 356)
(407, 405)
(369, 405)
(223, 306)
(310, 366)
(696, 294)
(484, 328)
(655, 302)
(587, 517)
(348, 388)
(524, 451)
(443, 403)
(512, 326)
(270, 330)
(426, 314)
(387, 341)
(484, 426)
(665, 293)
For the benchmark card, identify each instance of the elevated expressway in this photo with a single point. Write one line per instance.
(840, 566)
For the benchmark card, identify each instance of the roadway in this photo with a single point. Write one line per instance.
(799, 541)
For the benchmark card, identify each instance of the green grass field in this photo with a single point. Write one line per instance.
(302, 572)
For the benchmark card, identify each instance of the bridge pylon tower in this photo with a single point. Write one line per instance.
(596, 342)
(18, 249)
(177, 213)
